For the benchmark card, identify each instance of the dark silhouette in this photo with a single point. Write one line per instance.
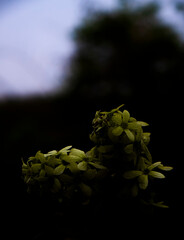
(125, 54)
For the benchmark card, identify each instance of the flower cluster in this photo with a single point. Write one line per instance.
(69, 173)
(120, 152)
(122, 146)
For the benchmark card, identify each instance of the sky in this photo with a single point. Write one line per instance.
(36, 42)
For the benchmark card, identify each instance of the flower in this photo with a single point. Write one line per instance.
(142, 175)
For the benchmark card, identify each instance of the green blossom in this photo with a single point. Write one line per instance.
(142, 175)
(121, 152)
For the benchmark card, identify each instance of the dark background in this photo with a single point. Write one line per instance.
(121, 57)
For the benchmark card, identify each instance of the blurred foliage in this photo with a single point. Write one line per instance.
(127, 54)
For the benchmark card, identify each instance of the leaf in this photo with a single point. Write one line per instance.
(133, 126)
(40, 156)
(134, 190)
(165, 168)
(36, 167)
(53, 161)
(65, 150)
(98, 129)
(42, 178)
(139, 133)
(32, 160)
(105, 148)
(66, 179)
(24, 165)
(77, 152)
(131, 119)
(59, 170)
(42, 173)
(130, 135)
(73, 167)
(141, 163)
(156, 174)
(90, 174)
(160, 204)
(91, 153)
(27, 179)
(117, 131)
(116, 109)
(93, 137)
(154, 165)
(56, 186)
(126, 116)
(146, 137)
(120, 106)
(129, 148)
(143, 181)
(71, 158)
(49, 170)
(82, 166)
(132, 174)
(98, 166)
(85, 189)
(142, 124)
(117, 119)
(24, 171)
(146, 151)
(51, 153)
(111, 136)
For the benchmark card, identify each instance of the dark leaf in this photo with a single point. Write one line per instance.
(59, 170)
(129, 148)
(105, 148)
(85, 189)
(56, 186)
(132, 174)
(49, 170)
(73, 167)
(90, 174)
(36, 167)
(98, 166)
(82, 166)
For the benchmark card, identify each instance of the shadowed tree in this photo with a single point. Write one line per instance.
(125, 54)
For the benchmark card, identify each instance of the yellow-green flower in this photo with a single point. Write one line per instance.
(142, 176)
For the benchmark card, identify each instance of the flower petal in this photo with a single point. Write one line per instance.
(130, 135)
(143, 181)
(156, 174)
(126, 116)
(132, 174)
(154, 165)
